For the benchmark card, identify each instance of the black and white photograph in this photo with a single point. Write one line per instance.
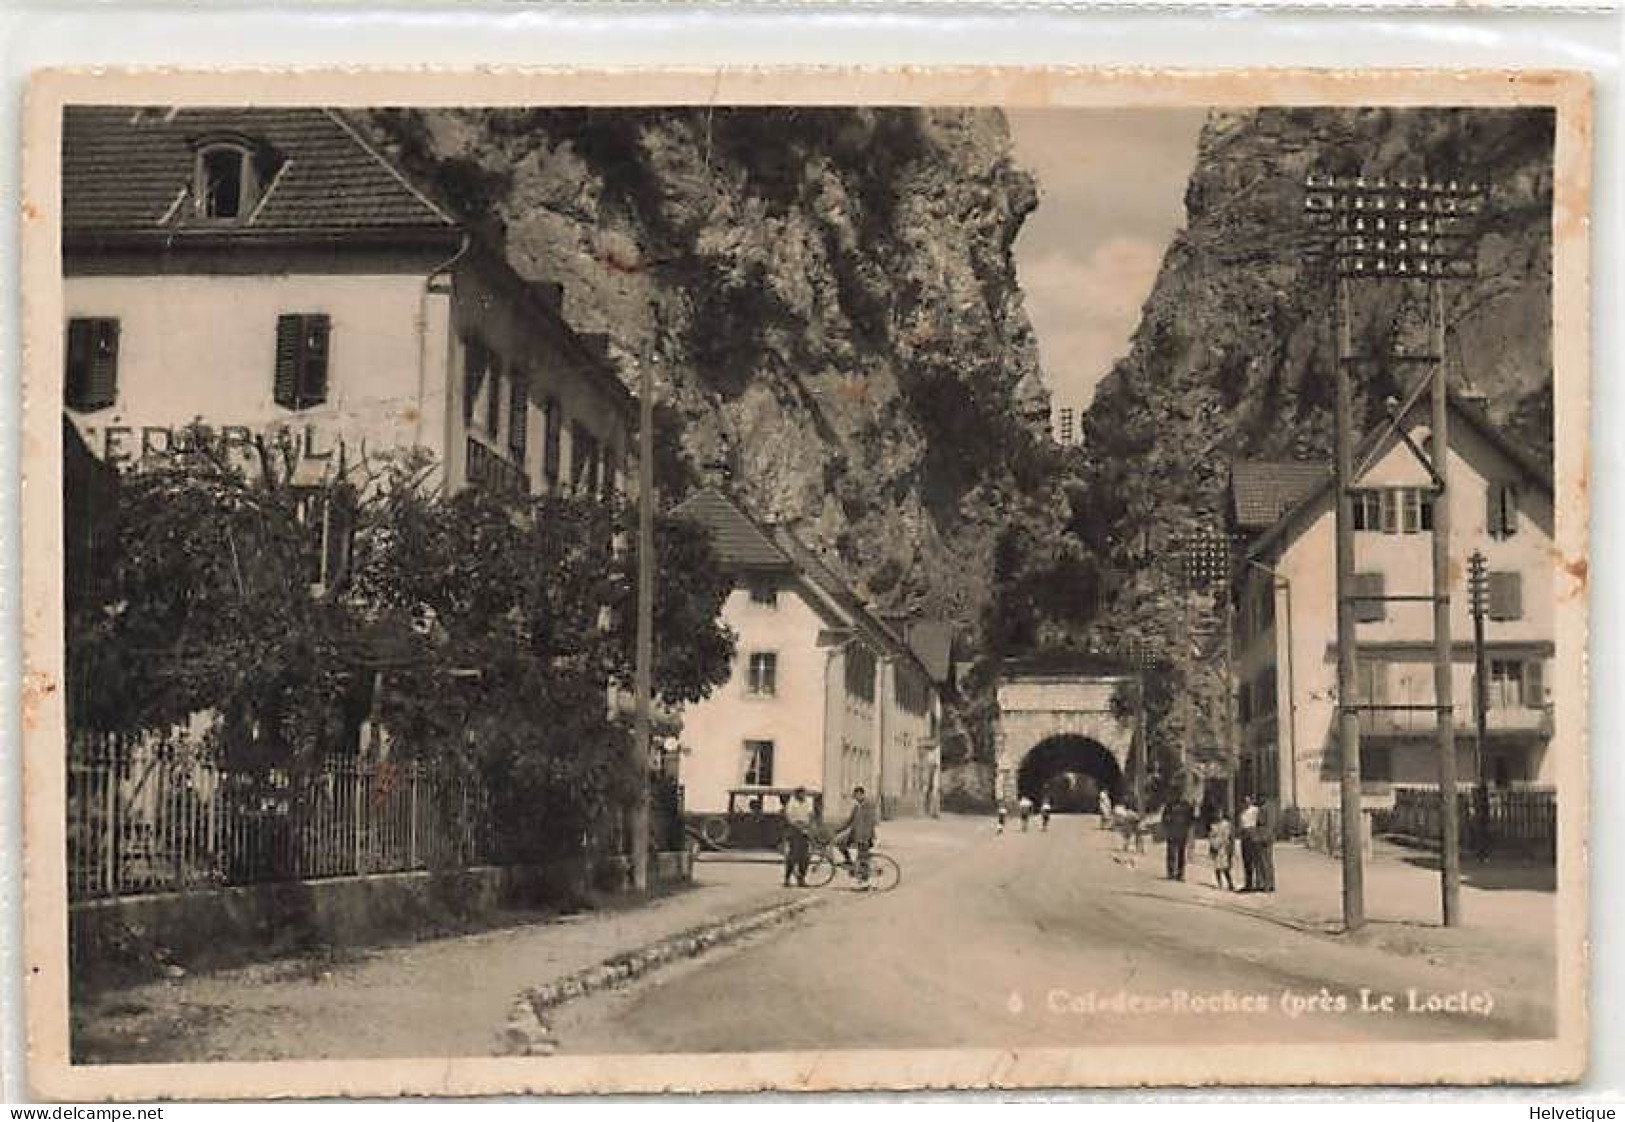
(851, 586)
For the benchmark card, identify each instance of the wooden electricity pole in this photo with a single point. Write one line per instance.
(1348, 717)
(1395, 230)
(643, 676)
(1443, 658)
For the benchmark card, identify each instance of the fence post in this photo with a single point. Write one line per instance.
(355, 814)
(110, 823)
(412, 818)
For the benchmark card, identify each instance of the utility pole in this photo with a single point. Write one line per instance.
(1443, 658)
(1405, 230)
(1348, 717)
(643, 677)
(1478, 596)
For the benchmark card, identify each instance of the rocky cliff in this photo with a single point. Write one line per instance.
(1231, 355)
(827, 297)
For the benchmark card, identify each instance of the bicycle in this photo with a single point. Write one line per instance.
(884, 871)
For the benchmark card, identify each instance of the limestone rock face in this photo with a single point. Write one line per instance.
(1232, 355)
(827, 297)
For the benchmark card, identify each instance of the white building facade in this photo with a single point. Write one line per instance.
(268, 275)
(1286, 625)
(823, 694)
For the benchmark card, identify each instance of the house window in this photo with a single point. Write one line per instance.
(1415, 510)
(860, 673)
(90, 381)
(1367, 609)
(1376, 762)
(764, 674)
(227, 182)
(758, 763)
(552, 429)
(494, 403)
(518, 415)
(1506, 683)
(1371, 681)
(302, 346)
(1506, 596)
(1501, 517)
(476, 366)
(1367, 506)
(583, 461)
(764, 594)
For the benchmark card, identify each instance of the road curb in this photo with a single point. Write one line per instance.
(527, 1032)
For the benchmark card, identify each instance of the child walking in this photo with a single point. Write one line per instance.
(1221, 846)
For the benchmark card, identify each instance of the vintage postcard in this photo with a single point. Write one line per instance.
(648, 581)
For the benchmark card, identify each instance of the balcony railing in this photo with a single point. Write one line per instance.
(1509, 720)
(489, 470)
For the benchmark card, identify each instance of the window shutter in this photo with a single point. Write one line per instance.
(1509, 509)
(1369, 611)
(313, 384)
(493, 403)
(552, 427)
(301, 360)
(518, 416)
(1492, 509)
(90, 380)
(1506, 596)
(290, 331)
(1534, 684)
(1390, 511)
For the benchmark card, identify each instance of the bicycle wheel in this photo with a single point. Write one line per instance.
(884, 873)
(820, 870)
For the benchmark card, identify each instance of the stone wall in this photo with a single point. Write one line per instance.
(135, 936)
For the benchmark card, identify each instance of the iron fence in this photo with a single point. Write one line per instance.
(148, 815)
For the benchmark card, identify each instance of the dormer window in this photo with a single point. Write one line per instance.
(230, 178)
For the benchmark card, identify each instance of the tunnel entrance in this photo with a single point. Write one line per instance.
(1070, 771)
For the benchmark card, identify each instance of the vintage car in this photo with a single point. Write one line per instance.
(754, 819)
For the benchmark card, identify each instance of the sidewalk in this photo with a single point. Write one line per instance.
(442, 997)
(1509, 911)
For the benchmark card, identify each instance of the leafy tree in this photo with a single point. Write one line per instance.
(487, 634)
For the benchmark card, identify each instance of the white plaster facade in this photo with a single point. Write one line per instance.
(1287, 626)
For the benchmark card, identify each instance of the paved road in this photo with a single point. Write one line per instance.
(1005, 941)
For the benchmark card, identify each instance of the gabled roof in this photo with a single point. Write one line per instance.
(745, 545)
(127, 170)
(1263, 490)
(1535, 470)
(932, 640)
(740, 542)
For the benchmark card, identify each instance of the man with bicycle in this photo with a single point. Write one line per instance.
(859, 833)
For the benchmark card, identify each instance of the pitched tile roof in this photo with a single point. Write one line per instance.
(739, 542)
(128, 169)
(1536, 469)
(1263, 490)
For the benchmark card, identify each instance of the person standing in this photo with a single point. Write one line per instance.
(1268, 824)
(1177, 818)
(1003, 813)
(1249, 844)
(1105, 805)
(1043, 816)
(859, 832)
(798, 824)
(1221, 847)
(1024, 806)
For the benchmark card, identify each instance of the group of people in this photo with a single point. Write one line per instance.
(1024, 808)
(800, 825)
(1255, 828)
